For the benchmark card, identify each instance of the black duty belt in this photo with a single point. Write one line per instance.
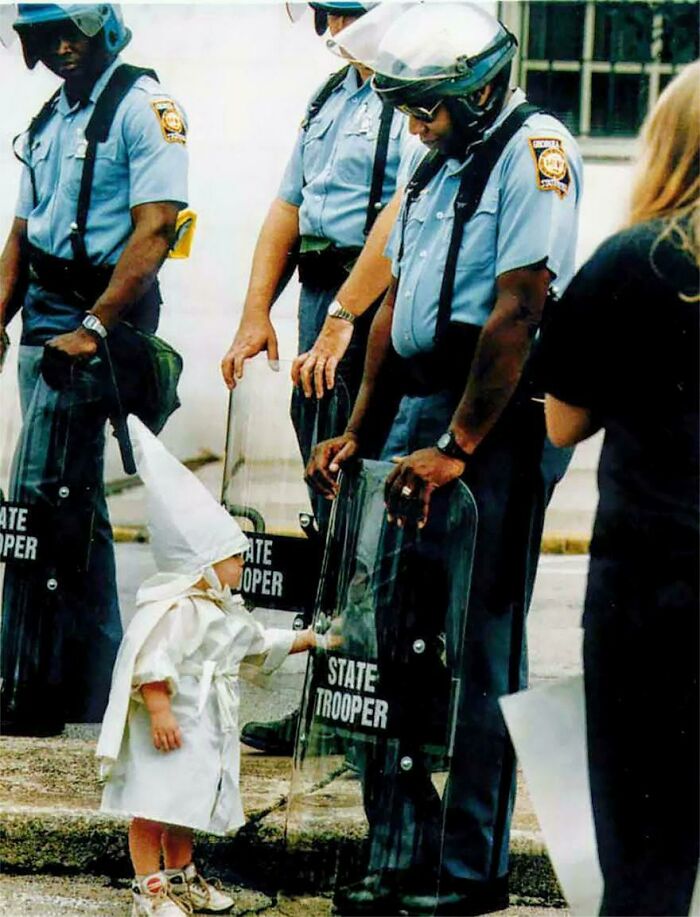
(82, 285)
(328, 268)
(79, 284)
(446, 367)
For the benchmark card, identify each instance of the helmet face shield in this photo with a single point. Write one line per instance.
(8, 14)
(90, 19)
(295, 11)
(365, 34)
(439, 48)
(323, 10)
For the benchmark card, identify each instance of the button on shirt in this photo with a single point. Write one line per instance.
(330, 171)
(141, 162)
(516, 224)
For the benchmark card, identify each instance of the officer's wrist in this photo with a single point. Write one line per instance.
(447, 445)
(338, 311)
(93, 325)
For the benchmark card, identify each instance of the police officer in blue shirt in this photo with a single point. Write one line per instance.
(341, 178)
(105, 174)
(342, 172)
(488, 225)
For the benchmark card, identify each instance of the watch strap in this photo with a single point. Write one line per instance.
(448, 445)
(336, 310)
(92, 323)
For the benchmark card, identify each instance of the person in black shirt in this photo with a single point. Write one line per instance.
(621, 353)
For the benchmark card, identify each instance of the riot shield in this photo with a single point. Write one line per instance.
(379, 704)
(263, 486)
(60, 615)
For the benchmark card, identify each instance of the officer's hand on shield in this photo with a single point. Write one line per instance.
(80, 344)
(253, 336)
(410, 485)
(315, 370)
(326, 459)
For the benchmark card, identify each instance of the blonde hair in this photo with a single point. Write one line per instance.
(668, 178)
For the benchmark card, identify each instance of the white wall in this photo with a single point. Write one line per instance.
(243, 73)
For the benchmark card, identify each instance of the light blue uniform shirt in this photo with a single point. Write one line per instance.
(144, 160)
(330, 171)
(526, 216)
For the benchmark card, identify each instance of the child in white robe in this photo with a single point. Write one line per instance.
(169, 745)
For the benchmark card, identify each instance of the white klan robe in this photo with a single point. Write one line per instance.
(197, 641)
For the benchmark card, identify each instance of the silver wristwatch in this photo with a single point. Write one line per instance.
(335, 310)
(92, 323)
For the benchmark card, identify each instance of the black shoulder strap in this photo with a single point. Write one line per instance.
(374, 205)
(96, 132)
(45, 112)
(471, 189)
(324, 93)
(35, 125)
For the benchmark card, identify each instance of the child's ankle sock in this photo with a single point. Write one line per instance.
(152, 883)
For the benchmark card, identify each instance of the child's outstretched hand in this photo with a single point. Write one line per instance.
(165, 731)
(164, 727)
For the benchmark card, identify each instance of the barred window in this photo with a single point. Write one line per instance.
(599, 65)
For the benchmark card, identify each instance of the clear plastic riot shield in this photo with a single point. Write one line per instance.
(379, 705)
(10, 419)
(60, 615)
(263, 485)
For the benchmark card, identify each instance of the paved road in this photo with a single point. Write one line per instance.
(59, 896)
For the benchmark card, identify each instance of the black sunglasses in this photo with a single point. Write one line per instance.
(419, 112)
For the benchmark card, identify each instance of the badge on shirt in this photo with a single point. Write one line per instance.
(171, 121)
(551, 163)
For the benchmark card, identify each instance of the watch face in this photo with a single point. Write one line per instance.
(444, 441)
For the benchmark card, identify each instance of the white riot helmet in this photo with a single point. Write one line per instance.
(436, 53)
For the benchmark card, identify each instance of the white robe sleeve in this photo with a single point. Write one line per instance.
(267, 649)
(177, 633)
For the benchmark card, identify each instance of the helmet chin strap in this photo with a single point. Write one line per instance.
(470, 121)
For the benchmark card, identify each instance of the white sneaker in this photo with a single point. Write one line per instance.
(152, 897)
(200, 894)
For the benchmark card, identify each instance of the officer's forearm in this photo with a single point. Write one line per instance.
(275, 245)
(371, 274)
(11, 266)
(376, 360)
(139, 263)
(501, 353)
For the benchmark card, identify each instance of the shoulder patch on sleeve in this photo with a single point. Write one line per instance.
(172, 124)
(551, 164)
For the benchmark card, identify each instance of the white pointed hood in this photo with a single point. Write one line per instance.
(189, 530)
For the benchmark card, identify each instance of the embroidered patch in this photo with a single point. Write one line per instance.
(551, 163)
(171, 122)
